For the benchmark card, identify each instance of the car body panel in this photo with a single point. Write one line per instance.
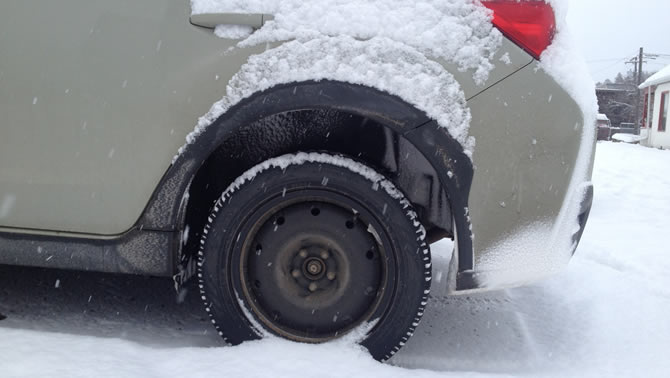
(508, 59)
(528, 132)
(99, 104)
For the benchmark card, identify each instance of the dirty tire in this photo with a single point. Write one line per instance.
(311, 247)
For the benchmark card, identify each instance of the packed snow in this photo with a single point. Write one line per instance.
(458, 31)
(233, 31)
(628, 138)
(605, 315)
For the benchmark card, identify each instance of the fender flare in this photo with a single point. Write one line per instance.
(165, 210)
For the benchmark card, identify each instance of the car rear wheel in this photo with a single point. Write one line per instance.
(311, 247)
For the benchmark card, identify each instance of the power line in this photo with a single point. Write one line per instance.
(610, 66)
(606, 59)
(618, 61)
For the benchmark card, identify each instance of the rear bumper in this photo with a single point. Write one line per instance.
(531, 192)
(584, 211)
(553, 258)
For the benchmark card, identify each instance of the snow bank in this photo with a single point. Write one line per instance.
(628, 138)
(36, 354)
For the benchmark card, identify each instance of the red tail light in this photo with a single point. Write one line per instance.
(531, 24)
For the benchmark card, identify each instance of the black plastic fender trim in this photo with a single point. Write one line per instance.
(443, 152)
(455, 172)
(162, 212)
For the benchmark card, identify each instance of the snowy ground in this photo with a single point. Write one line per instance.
(608, 314)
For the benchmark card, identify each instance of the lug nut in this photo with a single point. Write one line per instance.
(303, 253)
(295, 273)
(312, 287)
(325, 255)
(331, 275)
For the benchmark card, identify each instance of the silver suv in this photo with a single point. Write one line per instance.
(306, 200)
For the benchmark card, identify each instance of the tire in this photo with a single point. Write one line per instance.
(310, 247)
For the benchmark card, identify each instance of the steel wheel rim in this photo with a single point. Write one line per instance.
(301, 265)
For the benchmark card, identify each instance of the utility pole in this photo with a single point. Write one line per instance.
(637, 62)
(638, 81)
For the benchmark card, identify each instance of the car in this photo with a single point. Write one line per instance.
(604, 127)
(329, 158)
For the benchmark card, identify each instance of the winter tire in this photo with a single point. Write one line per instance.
(311, 246)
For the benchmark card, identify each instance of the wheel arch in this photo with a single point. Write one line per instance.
(343, 117)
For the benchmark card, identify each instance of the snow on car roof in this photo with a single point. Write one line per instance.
(660, 77)
(602, 117)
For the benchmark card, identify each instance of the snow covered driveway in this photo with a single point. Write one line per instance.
(608, 314)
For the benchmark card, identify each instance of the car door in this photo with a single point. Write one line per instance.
(96, 96)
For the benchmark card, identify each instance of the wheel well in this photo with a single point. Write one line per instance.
(324, 130)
